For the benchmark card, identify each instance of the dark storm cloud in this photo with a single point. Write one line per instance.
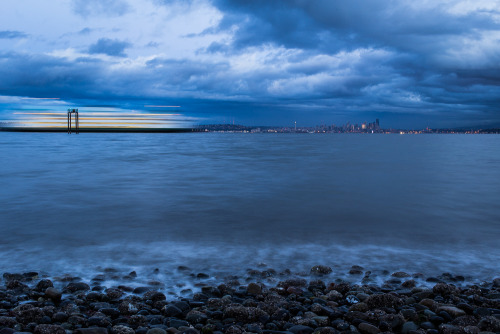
(401, 59)
(12, 34)
(88, 8)
(110, 47)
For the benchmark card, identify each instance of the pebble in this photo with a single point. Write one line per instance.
(314, 303)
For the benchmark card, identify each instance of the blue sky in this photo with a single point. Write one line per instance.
(270, 62)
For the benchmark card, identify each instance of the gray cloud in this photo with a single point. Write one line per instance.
(110, 47)
(12, 34)
(86, 8)
(400, 59)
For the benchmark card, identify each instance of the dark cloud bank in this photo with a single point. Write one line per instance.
(333, 61)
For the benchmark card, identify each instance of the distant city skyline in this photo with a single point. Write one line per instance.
(412, 64)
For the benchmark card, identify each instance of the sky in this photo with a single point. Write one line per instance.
(412, 64)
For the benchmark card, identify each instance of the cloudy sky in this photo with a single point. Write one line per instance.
(410, 63)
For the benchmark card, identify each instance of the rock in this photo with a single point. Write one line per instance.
(409, 284)
(127, 308)
(300, 329)
(98, 322)
(120, 329)
(490, 324)
(254, 289)
(383, 300)
(27, 313)
(400, 274)
(154, 295)
(141, 289)
(444, 289)
(367, 328)
(54, 294)
(94, 330)
(7, 322)
(452, 310)
(43, 285)
(464, 321)
(471, 330)
(431, 304)
(361, 307)
(59, 317)
(409, 326)
(321, 270)
(16, 285)
(171, 311)
(427, 325)
(7, 331)
(196, 317)
(77, 286)
(355, 272)
(449, 329)
(49, 329)
(156, 331)
(114, 293)
(496, 282)
(334, 295)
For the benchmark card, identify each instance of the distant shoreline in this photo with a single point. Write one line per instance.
(221, 128)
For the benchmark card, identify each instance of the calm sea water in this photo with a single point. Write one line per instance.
(226, 202)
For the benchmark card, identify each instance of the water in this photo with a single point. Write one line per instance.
(222, 203)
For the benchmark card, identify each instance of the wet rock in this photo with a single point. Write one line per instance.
(452, 310)
(7, 322)
(383, 300)
(114, 294)
(321, 270)
(490, 324)
(77, 286)
(43, 285)
(196, 317)
(325, 330)
(156, 331)
(300, 329)
(408, 327)
(444, 289)
(496, 282)
(400, 274)
(361, 307)
(171, 311)
(334, 295)
(95, 330)
(367, 328)
(59, 317)
(142, 289)
(7, 331)
(49, 329)
(465, 320)
(449, 329)
(409, 284)
(16, 285)
(127, 308)
(120, 329)
(155, 296)
(254, 289)
(471, 330)
(53, 294)
(355, 272)
(27, 313)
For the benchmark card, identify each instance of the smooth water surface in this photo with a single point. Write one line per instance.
(222, 201)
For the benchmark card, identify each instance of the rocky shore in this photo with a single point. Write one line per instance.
(264, 302)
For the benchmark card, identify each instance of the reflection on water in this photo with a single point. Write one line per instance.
(427, 202)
